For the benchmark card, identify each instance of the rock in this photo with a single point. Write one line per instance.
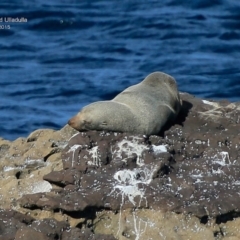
(10, 222)
(193, 169)
(14, 225)
(85, 234)
(24, 162)
(42, 229)
(183, 184)
(231, 229)
(150, 224)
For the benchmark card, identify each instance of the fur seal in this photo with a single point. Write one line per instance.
(143, 108)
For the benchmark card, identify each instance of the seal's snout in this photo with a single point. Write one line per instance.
(73, 122)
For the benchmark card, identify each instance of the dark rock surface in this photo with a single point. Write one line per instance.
(193, 167)
(182, 184)
(14, 225)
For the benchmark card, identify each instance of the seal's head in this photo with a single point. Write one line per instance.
(91, 117)
(105, 115)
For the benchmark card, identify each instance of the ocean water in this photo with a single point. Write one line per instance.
(71, 53)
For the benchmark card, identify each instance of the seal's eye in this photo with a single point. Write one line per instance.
(86, 123)
(104, 123)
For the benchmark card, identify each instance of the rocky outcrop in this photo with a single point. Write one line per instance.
(18, 226)
(182, 184)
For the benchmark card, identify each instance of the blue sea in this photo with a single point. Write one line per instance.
(66, 54)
